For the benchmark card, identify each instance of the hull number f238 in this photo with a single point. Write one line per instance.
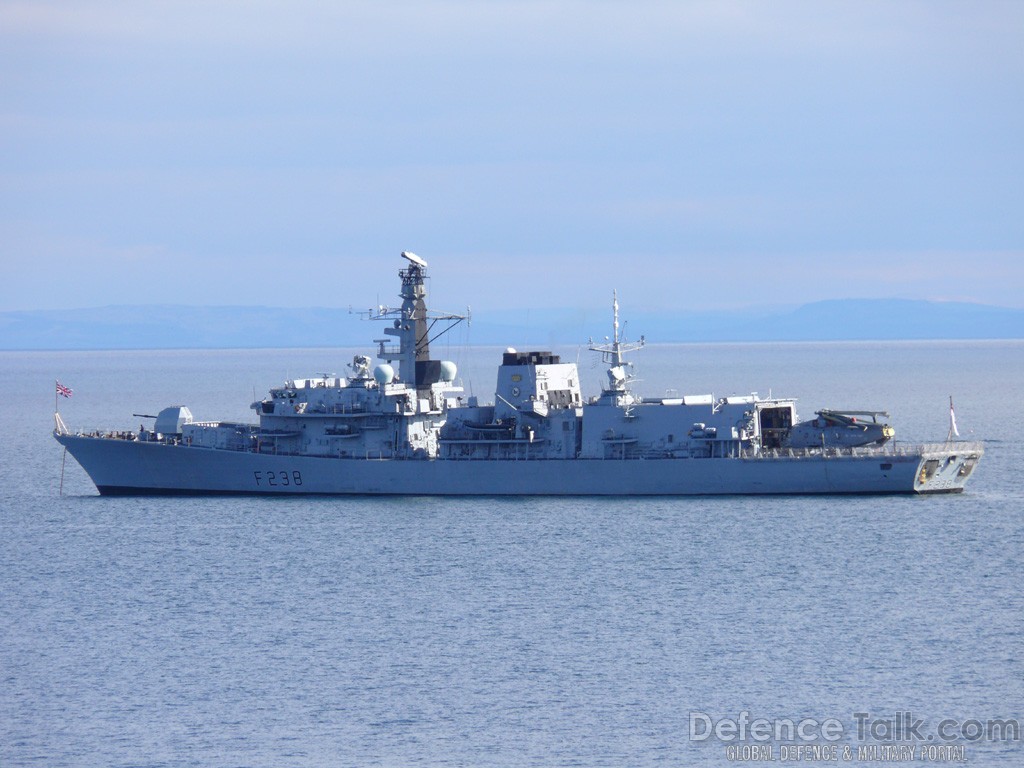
(281, 479)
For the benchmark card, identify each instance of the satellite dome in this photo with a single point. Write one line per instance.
(383, 374)
(448, 370)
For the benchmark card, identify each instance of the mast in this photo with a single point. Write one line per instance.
(612, 354)
(412, 332)
(413, 325)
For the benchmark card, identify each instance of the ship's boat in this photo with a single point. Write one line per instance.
(405, 426)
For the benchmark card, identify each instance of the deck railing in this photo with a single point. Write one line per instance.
(893, 448)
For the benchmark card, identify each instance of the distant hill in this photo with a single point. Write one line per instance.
(861, 319)
(169, 327)
(165, 326)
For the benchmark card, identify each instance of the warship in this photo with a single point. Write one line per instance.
(405, 426)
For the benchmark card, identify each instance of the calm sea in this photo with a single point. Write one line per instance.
(498, 632)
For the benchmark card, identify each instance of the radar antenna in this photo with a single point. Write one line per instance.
(412, 257)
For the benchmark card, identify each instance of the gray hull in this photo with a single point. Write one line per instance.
(133, 467)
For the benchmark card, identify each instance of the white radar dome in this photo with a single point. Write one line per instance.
(510, 351)
(383, 374)
(448, 371)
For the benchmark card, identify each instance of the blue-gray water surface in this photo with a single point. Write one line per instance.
(503, 632)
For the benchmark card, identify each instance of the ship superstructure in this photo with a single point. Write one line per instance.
(405, 426)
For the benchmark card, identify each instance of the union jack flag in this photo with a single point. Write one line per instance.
(63, 391)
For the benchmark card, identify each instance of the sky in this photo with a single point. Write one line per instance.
(693, 155)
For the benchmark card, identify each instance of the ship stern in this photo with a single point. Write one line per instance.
(946, 467)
